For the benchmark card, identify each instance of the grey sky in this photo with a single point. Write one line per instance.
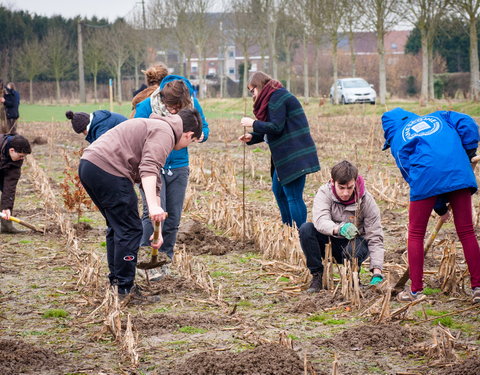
(110, 9)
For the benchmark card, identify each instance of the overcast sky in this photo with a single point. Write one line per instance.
(110, 9)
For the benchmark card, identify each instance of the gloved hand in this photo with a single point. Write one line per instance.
(376, 279)
(349, 231)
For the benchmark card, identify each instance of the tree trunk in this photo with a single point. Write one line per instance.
(245, 73)
(317, 71)
(474, 66)
(119, 83)
(182, 67)
(382, 74)
(353, 56)
(306, 92)
(30, 90)
(424, 90)
(288, 56)
(334, 40)
(57, 84)
(200, 75)
(95, 94)
(136, 64)
(431, 91)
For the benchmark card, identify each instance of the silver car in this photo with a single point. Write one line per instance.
(353, 90)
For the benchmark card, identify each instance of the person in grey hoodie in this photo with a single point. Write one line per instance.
(344, 214)
(132, 152)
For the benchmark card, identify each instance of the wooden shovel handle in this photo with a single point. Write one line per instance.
(156, 235)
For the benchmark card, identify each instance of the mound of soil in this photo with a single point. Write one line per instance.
(200, 240)
(82, 227)
(381, 336)
(271, 359)
(158, 323)
(18, 357)
(470, 366)
(169, 284)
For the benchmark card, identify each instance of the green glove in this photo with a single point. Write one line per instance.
(349, 231)
(376, 279)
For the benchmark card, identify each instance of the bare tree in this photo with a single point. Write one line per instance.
(353, 15)
(327, 15)
(289, 34)
(59, 56)
(267, 14)
(426, 14)
(471, 10)
(242, 32)
(94, 57)
(117, 50)
(381, 16)
(29, 62)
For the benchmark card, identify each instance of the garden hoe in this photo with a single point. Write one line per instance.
(401, 283)
(21, 222)
(154, 261)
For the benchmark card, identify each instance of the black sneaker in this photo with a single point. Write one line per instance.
(136, 297)
(316, 284)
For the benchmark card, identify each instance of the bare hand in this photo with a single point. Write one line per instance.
(245, 138)
(201, 138)
(158, 242)
(7, 214)
(247, 121)
(445, 217)
(157, 214)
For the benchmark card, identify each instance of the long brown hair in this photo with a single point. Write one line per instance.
(259, 80)
(176, 94)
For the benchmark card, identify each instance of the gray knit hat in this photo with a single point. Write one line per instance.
(80, 120)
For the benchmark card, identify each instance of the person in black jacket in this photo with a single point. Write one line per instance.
(11, 101)
(13, 149)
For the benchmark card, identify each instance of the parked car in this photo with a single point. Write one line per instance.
(353, 90)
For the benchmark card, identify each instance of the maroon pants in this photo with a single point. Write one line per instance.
(419, 213)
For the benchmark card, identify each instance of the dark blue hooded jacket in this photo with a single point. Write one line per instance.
(103, 121)
(431, 150)
(176, 158)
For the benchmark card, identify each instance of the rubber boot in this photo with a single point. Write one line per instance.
(7, 227)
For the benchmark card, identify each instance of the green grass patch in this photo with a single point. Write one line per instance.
(24, 241)
(216, 274)
(430, 312)
(55, 313)
(319, 317)
(34, 286)
(293, 337)
(191, 330)
(431, 291)
(244, 303)
(334, 322)
(175, 343)
(103, 244)
(160, 310)
(284, 279)
(246, 258)
(84, 219)
(33, 333)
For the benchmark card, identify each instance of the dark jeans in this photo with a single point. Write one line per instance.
(313, 245)
(290, 200)
(116, 199)
(12, 125)
(172, 196)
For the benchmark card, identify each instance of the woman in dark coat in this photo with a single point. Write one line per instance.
(11, 103)
(281, 122)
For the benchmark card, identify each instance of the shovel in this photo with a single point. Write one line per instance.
(154, 261)
(21, 222)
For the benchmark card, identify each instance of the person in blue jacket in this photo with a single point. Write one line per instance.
(176, 170)
(93, 125)
(433, 153)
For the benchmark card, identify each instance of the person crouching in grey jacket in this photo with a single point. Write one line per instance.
(343, 211)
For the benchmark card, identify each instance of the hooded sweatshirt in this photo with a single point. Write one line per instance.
(431, 150)
(178, 158)
(330, 213)
(102, 122)
(136, 148)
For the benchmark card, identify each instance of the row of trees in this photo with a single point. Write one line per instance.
(276, 27)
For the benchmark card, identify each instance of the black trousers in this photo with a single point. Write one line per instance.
(116, 199)
(313, 245)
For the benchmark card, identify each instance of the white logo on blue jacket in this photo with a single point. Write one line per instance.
(421, 127)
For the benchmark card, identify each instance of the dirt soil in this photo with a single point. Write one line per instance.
(55, 323)
(19, 357)
(269, 359)
(200, 240)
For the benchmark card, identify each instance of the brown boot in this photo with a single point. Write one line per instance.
(7, 227)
